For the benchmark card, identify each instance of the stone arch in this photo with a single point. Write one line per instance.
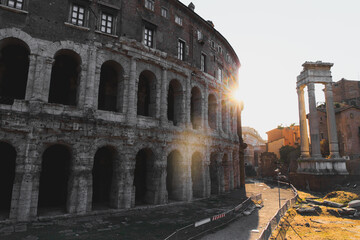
(235, 161)
(65, 78)
(212, 111)
(214, 174)
(14, 67)
(54, 178)
(103, 175)
(18, 34)
(226, 166)
(197, 175)
(174, 102)
(111, 87)
(7, 177)
(146, 94)
(144, 177)
(196, 108)
(175, 177)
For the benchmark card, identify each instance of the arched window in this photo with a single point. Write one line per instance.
(111, 87)
(65, 77)
(54, 177)
(196, 108)
(102, 177)
(143, 177)
(212, 111)
(174, 177)
(175, 98)
(146, 95)
(14, 67)
(7, 176)
(197, 175)
(224, 115)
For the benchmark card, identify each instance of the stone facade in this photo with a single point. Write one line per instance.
(255, 146)
(92, 116)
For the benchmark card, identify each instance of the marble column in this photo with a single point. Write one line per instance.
(331, 122)
(313, 123)
(303, 125)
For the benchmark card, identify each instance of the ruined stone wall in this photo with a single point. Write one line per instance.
(154, 160)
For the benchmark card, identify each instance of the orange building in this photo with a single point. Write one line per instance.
(282, 136)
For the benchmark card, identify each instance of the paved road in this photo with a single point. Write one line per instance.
(250, 227)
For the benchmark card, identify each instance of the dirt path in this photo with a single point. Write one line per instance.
(250, 227)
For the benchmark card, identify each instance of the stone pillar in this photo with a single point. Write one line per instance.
(132, 101)
(219, 115)
(331, 122)
(313, 123)
(206, 107)
(90, 79)
(164, 104)
(188, 102)
(303, 124)
(231, 173)
(45, 79)
(31, 78)
(78, 190)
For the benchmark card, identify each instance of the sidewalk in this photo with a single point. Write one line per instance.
(250, 227)
(151, 222)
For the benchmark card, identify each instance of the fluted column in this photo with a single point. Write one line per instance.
(331, 122)
(303, 124)
(313, 122)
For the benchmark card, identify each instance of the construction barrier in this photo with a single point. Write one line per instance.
(273, 223)
(200, 227)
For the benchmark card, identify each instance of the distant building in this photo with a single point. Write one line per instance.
(347, 113)
(282, 136)
(255, 146)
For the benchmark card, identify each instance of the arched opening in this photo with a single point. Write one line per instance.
(223, 115)
(174, 177)
(14, 67)
(55, 171)
(175, 98)
(65, 76)
(196, 108)
(102, 177)
(214, 178)
(146, 95)
(7, 176)
(143, 177)
(197, 175)
(110, 88)
(212, 111)
(226, 167)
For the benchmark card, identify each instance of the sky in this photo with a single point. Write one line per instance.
(273, 38)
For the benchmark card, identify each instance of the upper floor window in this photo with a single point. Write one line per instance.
(77, 15)
(178, 20)
(164, 12)
(212, 44)
(18, 4)
(181, 50)
(149, 4)
(149, 37)
(199, 35)
(220, 74)
(107, 23)
(203, 62)
(220, 50)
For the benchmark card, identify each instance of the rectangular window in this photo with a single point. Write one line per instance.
(199, 35)
(148, 37)
(15, 3)
(181, 50)
(164, 12)
(77, 15)
(212, 44)
(203, 62)
(106, 23)
(220, 49)
(220, 74)
(149, 4)
(178, 20)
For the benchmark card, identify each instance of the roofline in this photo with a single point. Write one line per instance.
(186, 8)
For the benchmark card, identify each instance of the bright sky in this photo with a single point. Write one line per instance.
(273, 38)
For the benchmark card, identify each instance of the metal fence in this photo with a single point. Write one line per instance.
(272, 225)
(193, 230)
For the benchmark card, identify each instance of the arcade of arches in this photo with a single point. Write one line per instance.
(86, 129)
